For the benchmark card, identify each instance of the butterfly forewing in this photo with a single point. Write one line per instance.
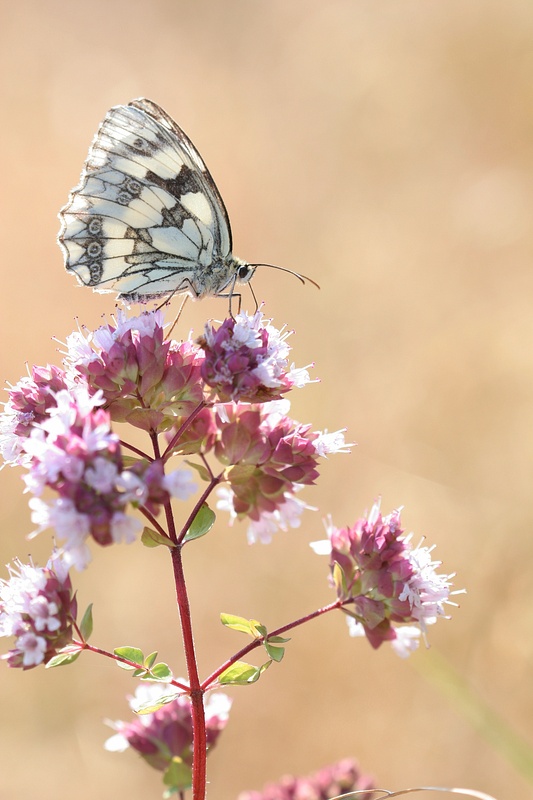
(146, 219)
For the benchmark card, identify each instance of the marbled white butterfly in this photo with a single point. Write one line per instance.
(146, 219)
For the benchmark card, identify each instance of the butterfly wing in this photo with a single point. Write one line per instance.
(146, 219)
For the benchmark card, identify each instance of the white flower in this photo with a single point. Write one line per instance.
(407, 640)
(69, 524)
(355, 628)
(27, 608)
(124, 528)
(426, 590)
(102, 475)
(84, 345)
(118, 742)
(287, 515)
(299, 376)
(180, 484)
(272, 369)
(33, 647)
(133, 487)
(42, 612)
(79, 350)
(218, 705)
(327, 443)
(11, 444)
(321, 547)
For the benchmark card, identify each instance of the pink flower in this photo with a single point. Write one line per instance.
(75, 453)
(269, 458)
(338, 779)
(146, 380)
(38, 608)
(198, 436)
(28, 404)
(164, 737)
(383, 582)
(246, 359)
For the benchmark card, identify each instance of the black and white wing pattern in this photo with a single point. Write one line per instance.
(146, 219)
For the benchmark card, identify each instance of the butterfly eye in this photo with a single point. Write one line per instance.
(244, 273)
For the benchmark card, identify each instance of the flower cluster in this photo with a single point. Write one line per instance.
(58, 423)
(28, 405)
(37, 606)
(164, 737)
(341, 778)
(222, 399)
(269, 458)
(390, 590)
(246, 359)
(145, 379)
(74, 452)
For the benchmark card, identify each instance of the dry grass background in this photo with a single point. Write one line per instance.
(384, 147)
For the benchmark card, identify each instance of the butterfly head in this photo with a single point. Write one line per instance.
(245, 272)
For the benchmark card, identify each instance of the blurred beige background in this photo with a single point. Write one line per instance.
(384, 147)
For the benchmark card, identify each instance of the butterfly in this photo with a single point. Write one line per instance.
(146, 219)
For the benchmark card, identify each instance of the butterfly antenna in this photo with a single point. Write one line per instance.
(302, 278)
(168, 335)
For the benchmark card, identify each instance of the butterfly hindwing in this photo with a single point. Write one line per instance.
(146, 219)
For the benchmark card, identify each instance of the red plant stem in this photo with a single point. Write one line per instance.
(207, 684)
(135, 450)
(155, 444)
(183, 428)
(196, 691)
(152, 520)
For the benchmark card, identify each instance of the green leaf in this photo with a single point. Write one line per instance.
(276, 653)
(201, 524)
(131, 654)
(252, 627)
(242, 673)
(339, 579)
(86, 625)
(177, 776)
(151, 538)
(149, 660)
(236, 623)
(139, 673)
(130, 461)
(200, 469)
(277, 640)
(151, 706)
(258, 630)
(161, 672)
(62, 659)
